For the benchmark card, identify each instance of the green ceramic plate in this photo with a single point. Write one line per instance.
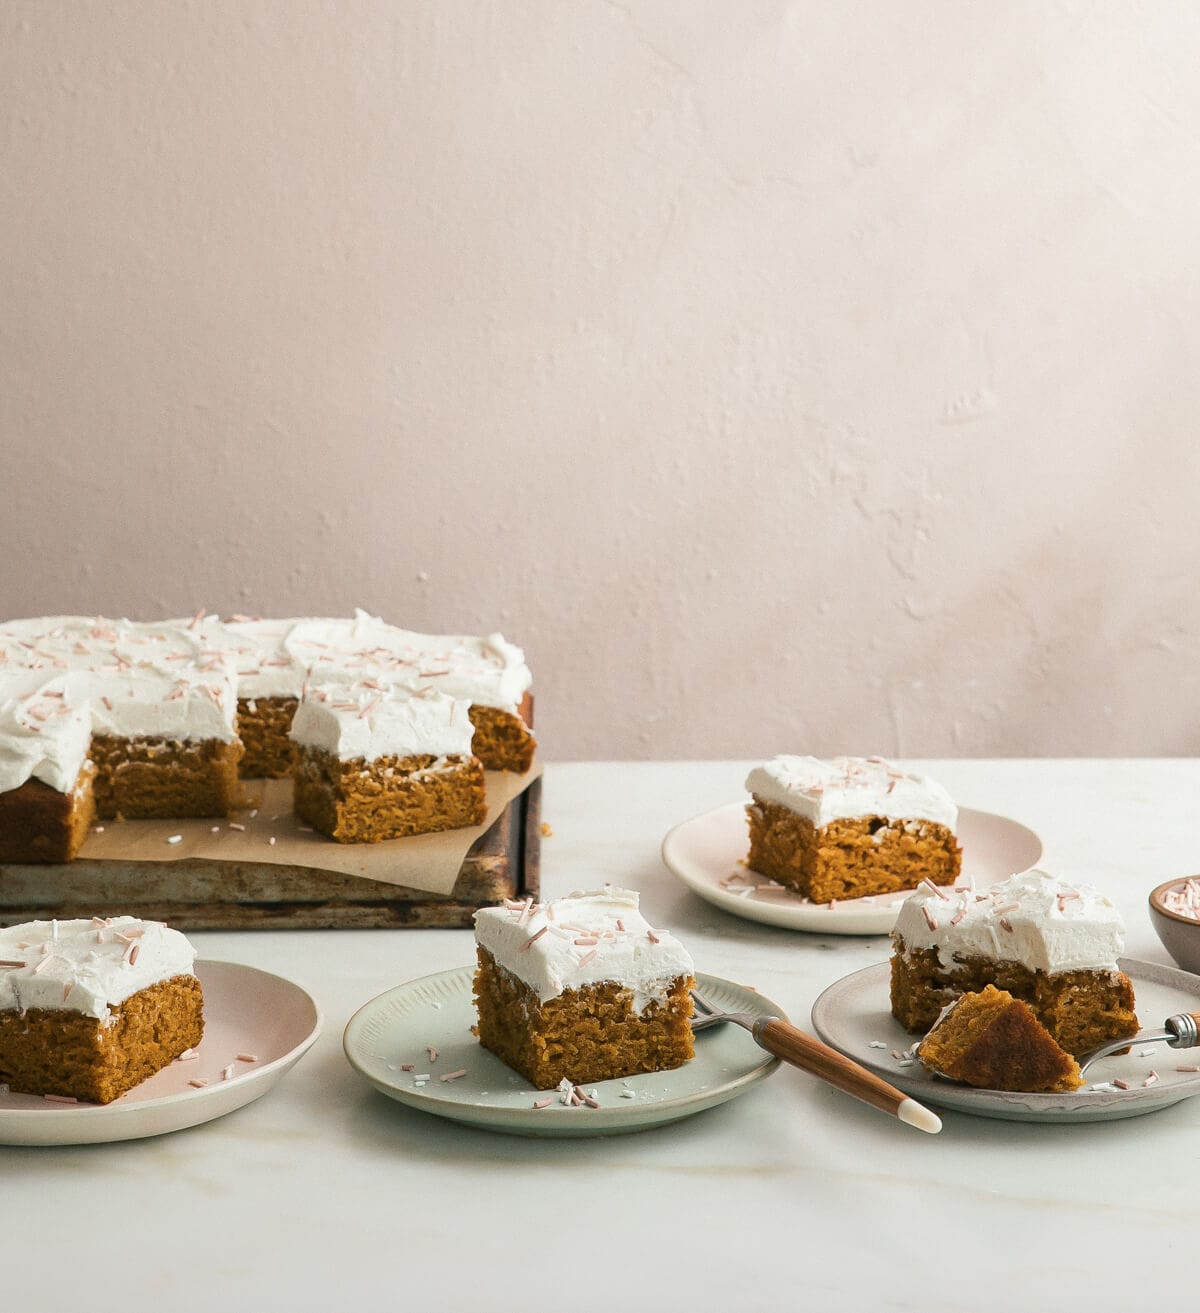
(399, 1027)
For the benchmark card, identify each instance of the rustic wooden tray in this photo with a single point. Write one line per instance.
(194, 894)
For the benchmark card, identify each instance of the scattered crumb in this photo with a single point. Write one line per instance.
(547, 833)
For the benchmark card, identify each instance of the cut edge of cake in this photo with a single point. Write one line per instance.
(89, 1009)
(851, 827)
(990, 1040)
(582, 989)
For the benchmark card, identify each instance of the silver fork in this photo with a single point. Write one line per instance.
(782, 1039)
(1181, 1031)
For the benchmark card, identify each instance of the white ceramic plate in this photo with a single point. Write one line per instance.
(705, 853)
(245, 1011)
(855, 1012)
(395, 1029)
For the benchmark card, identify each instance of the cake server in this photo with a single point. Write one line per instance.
(785, 1041)
(1182, 1031)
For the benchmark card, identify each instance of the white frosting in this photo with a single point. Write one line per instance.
(44, 732)
(848, 788)
(88, 966)
(584, 939)
(258, 650)
(1041, 922)
(490, 672)
(356, 720)
(64, 678)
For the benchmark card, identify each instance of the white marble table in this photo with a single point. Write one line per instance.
(326, 1195)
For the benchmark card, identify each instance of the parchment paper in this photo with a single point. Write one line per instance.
(423, 861)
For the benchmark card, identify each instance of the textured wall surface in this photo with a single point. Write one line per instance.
(784, 376)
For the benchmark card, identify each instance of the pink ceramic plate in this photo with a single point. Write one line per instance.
(246, 1011)
(704, 853)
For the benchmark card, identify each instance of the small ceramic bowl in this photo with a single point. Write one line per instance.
(1180, 935)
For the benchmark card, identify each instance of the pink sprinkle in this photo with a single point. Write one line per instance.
(132, 955)
(542, 1103)
(432, 1052)
(60, 1098)
(199, 1082)
(652, 937)
(1122, 1084)
(1006, 924)
(454, 1075)
(533, 938)
(247, 1057)
(66, 991)
(585, 1097)
(587, 957)
(9, 964)
(958, 916)
(928, 884)
(586, 940)
(1184, 899)
(1192, 1067)
(1152, 1079)
(1008, 907)
(107, 703)
(408, 1066)
(930, 919)
(197, 618)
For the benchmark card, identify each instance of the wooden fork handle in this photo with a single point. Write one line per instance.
(808, 1053)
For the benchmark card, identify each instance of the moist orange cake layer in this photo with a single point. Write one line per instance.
(361, 801)
(67, 1053)
(1080, 1009)
(587, 1034)
(993, 1041)
(849, 858)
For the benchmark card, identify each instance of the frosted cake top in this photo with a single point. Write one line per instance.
(849, 788)
(87, 966)
(64, 678)
(1041, 922)
(587, 938)
(372, 720)
(276, 658)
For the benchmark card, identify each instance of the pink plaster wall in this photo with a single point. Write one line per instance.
(782, 375)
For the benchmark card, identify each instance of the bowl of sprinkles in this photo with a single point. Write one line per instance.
(1175, 914)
